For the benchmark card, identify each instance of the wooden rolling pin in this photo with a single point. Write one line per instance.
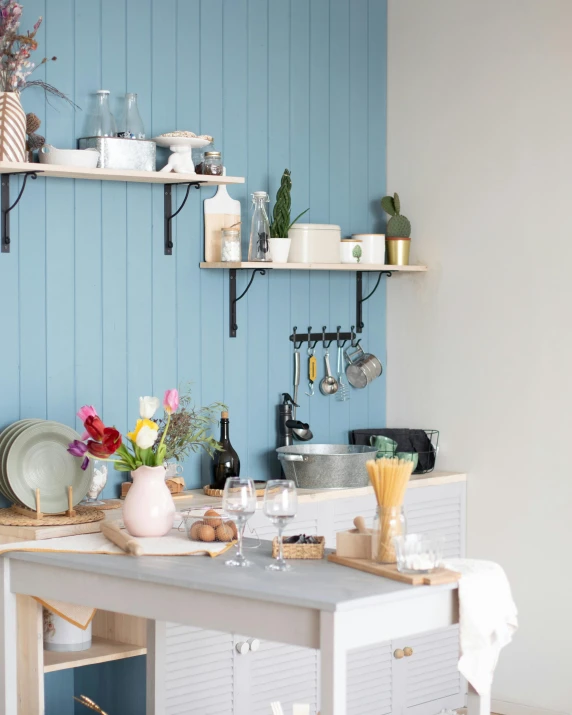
(124, 541)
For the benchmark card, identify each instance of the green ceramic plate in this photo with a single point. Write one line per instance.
(6, 439)
(39, 458)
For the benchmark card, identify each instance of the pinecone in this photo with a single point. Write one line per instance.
(32, 123)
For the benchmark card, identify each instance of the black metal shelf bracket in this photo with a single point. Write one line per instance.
(233, 300)
(6, 208)
(170, 216)
(360, 300)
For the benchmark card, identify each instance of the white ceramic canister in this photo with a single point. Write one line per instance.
(351, 251)
(373, 247)
(62, 636)
(314, 243)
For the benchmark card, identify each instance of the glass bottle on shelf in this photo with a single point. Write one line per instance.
(131, 126)
(260, 229)
(101, 122)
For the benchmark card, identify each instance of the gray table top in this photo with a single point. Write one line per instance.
(314, 584)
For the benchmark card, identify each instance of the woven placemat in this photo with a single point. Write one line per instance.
(107, 504)
(84, 515)
(210, 492)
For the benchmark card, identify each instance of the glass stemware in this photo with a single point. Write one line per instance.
(280, 506)
(239, 502)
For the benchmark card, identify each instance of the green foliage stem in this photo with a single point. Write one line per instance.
(281, 223)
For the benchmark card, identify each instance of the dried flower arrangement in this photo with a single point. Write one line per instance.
(190, 428)
(15, 52)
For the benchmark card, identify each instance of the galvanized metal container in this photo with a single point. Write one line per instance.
(326, 466)
(118, 153)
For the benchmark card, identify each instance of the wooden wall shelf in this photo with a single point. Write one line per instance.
(262, 266)
(167, 179)
(101, 651)
(351, 267)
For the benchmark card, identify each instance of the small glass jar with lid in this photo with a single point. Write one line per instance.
(230, 246)
(212, 163)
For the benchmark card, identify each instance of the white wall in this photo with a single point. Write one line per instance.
(480, 151)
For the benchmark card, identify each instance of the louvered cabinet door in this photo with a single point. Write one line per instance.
(280, 672)
(345, 510)
(305, 522)
(370, 681)
(432, 678)
(199, 671)
(439, 511)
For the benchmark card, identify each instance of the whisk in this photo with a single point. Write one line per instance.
(343, 393)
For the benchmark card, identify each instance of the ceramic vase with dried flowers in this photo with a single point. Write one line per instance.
(15, 68)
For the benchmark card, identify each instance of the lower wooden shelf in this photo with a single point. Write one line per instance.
(101, 651)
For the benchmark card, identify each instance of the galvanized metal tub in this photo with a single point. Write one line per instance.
(326, 466)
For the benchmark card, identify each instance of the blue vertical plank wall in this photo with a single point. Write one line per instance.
(93, 312)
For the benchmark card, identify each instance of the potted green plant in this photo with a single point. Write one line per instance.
(398, 232)
(281, 223)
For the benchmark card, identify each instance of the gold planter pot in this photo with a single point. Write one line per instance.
(398, 251)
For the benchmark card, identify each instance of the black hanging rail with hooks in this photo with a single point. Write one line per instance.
(326, 338)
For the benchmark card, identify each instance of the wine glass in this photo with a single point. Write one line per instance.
(239, 502)
(280, 506)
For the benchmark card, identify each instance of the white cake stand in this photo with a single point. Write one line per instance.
(181, 160)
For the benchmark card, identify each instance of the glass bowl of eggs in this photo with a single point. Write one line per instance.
(209, 525)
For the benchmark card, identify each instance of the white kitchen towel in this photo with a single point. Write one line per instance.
(487, 618)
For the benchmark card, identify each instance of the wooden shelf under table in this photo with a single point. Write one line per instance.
(355, 267)
(101, 651)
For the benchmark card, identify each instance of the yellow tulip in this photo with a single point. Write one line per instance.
(140, 424)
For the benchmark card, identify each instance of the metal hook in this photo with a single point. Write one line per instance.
(326, 347)
(311, 388)
(309, 338)
(296, 347)
(352, 330)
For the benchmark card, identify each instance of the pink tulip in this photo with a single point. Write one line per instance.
(171, 401)
(86, 411)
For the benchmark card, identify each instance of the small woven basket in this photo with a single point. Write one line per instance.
(300, 551)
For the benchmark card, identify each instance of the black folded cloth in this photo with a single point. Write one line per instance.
(408, 440)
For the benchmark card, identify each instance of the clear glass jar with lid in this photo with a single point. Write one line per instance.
(212, 163)
(230, 246)
(259, 249)
(100, 121)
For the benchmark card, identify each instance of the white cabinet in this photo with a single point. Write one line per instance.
(205, 674)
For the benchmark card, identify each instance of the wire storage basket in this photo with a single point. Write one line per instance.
(421, 444)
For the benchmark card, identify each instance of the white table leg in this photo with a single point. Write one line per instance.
(8, 647)
(333, 667)
(478, 704)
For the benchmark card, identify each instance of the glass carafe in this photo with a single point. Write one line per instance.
(260, 229)
(101, 122)
(389, 522)
(131, 126)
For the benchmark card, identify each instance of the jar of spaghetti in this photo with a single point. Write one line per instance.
(389, 522)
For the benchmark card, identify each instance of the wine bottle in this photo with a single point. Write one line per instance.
(226, 462)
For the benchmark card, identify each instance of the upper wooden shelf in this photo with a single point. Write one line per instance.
(316, 266)
(142, 177)
(101, 651)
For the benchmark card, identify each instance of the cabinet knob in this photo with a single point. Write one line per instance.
(242, 648)
(254, 644)
(398, 653)
(407, 652)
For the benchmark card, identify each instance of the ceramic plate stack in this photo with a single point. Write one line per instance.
(33, 455)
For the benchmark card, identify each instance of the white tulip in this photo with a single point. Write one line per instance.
(146, 437)
(148, 406)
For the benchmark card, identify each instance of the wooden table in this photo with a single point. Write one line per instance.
(317, 605)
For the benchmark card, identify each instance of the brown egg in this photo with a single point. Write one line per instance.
(233, 528)
(224, 533)
(194, 532)
(206, 533)
(212, 518)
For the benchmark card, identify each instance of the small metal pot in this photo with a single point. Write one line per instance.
(326, 466)
(362, 368)
(398, 251)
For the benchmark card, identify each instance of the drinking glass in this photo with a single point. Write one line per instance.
(280, 506)
(239, 502)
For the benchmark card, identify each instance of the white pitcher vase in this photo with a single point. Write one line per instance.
(149, 507)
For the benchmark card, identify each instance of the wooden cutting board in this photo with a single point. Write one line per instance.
(220, 212)
(435, 578)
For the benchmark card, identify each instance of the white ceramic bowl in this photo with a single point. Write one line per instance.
(85, 158)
